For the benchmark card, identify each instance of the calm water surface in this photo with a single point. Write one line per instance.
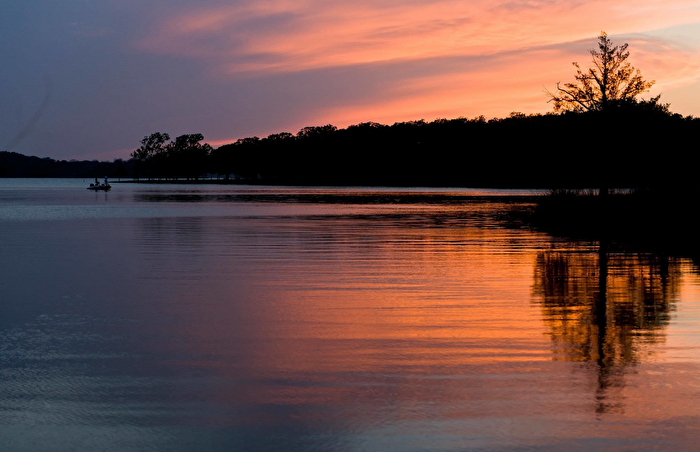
(218, 318)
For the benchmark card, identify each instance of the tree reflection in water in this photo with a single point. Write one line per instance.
(604, 310)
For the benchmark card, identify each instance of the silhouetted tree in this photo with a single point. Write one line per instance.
(119, 169)
(152, 146)
(316, 131)
(189, 155)
(280, 136)
(611, 81)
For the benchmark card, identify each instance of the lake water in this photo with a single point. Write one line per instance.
(220, 318)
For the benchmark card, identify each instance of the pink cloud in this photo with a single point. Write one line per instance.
(293, 36)
(529, 45)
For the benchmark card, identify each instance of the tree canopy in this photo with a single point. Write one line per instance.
(612, 81)
(183, 157)
(151, 145)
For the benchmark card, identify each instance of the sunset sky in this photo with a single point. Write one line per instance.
(88, 79)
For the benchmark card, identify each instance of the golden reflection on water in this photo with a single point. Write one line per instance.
(340, 302)
(606, 309)
(290, 325)
(401, 320)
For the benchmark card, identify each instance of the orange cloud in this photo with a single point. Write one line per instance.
(527, 45)
(286, 36)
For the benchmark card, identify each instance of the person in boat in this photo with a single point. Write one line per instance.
(97, 183)
(106, 183)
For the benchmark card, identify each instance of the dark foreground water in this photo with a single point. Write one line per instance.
(209, 318)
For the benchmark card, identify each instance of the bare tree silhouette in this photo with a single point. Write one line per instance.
(611, 81)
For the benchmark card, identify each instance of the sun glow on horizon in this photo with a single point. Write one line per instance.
(442, 59)
(239, 68)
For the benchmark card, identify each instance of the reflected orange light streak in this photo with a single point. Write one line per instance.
(453, 319)
(385, 307)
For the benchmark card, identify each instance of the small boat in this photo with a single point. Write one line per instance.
(96, 187)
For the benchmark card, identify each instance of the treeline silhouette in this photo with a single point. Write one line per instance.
(13, 164)
(551, 150)
(638, 144)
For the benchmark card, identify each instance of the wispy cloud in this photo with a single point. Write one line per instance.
(232, 68)
(423, 59)
(269, 36)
